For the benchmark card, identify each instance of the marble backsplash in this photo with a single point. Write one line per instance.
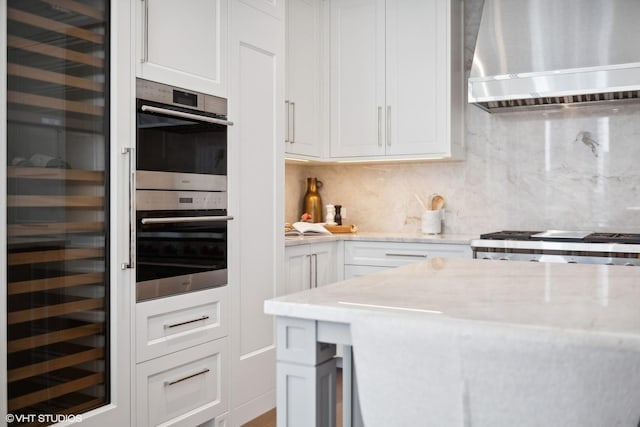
(569, 169)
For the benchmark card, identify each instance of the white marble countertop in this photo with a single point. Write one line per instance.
(461, 239)
(592, 298)
(488, 343)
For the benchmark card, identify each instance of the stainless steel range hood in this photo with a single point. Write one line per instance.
(550, 53)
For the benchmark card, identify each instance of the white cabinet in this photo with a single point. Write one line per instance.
(185, 388)
(167, 325)
(365, 257)
(182, 350)
(310, 265)
(304, 78)
(256, 180)
(397, 79)
(274, 8)
(183, 43)
(357, 78)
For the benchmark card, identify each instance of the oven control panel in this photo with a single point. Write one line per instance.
(153, 200)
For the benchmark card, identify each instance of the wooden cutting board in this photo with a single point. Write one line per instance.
(352, 228)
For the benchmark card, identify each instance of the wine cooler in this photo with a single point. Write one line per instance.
(57, 208)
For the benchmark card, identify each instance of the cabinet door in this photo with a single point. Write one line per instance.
(274, 8)
(184, 43)
(416, 48)
(297, 269)
(256, 172)
(302, 133)
(324, 264)
(357, 78)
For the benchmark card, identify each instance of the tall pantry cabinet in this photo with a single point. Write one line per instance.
(256, 183)
(66, 117)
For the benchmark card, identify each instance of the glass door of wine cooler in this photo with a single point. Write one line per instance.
(57, 209)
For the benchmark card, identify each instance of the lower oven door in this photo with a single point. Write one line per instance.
(180, 251)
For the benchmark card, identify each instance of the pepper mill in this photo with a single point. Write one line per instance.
(338, 217)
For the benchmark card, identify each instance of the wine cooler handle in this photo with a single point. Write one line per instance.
(127, 151)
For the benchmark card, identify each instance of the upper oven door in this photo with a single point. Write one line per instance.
(179, 149)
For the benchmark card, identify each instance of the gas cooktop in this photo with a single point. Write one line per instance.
(564, 236)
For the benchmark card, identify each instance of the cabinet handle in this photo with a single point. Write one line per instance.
(183, 115)
(388, 125)
(286, 133)
(185, 219)
(173, 325)
(407, 255)
(379, 126)
(145, 37)
(315, 266)
(129, 262)
(310, 271)
(179, 380)
(293, 121)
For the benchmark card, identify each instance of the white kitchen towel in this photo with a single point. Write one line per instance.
(419, 370)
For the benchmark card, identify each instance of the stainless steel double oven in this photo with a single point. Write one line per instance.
(181, 191)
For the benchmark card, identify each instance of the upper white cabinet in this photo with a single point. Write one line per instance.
(303, 103)
(183, 43)
(396, 79)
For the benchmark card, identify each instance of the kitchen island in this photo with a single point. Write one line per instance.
(458, 342)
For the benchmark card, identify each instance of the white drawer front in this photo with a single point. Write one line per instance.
(186, 388)
(171, 324)
(393, 254)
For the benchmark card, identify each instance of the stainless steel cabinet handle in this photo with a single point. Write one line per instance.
(172, 382)
(315, 266)
(293, 122)
(129, 263)
(181, 219)
(310, 272)
(173, 325)
(379, 126)
(388, 125)
(407, 255)
(145, 37)
(184, 115)
(286, 132)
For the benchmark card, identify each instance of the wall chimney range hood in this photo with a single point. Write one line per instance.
(553, 53)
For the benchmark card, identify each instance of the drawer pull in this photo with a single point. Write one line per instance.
(168, 383)
(407, 255)
(199, 319)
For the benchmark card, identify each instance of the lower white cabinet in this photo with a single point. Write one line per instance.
(171, 324)
(310, 265)
(365, 257)
(185, 388)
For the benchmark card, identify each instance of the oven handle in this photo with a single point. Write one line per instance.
(184, 115)
(179, 219)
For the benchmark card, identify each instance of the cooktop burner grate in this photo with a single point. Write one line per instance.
(509, 235)
(630, 238)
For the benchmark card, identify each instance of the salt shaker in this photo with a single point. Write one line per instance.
(331, 213)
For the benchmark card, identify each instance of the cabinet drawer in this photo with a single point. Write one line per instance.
(171, 324)
(393, 254)
(185, 388)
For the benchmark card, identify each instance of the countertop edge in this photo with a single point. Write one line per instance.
(453, 239)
